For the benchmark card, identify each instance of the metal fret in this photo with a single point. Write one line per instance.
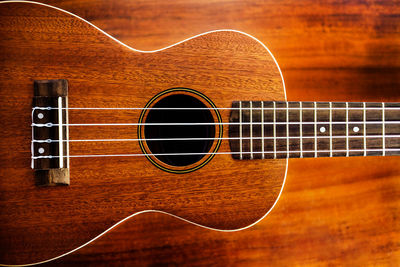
(287, 129)
(301, 129)
(330, 130)
(274, 129)
(315, 131)
(365, 129)
(240, 130)
(251, 130)
(262, 129)
(383, 129)
(347, 129)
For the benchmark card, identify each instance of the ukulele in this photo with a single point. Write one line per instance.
(97, 132)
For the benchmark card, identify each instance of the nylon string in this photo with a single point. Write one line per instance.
(263, 108)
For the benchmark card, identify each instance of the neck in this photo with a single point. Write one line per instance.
(314, 129)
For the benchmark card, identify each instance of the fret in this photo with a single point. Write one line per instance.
(374, 129)
(347, 129)
(251, 129)
(308, 134)
(281, 129)
(269, 130)
(293, 129)
(274, 103)
(256, 132)
(301, 128)
(315, 130)
(330, 130)
(287, 131)
(323, 149)
(246, 151)
(364, 129)
(355, 129)
(240, 130)
(339, 130)
(262, 130)
(383, 130)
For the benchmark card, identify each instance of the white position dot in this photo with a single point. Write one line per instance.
(41, 150)
(40, 115)
(356, 129)
(322, 129)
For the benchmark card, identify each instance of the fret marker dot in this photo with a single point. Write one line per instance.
(356, 129)
(41, 150)
(322, 129)
(40, 116)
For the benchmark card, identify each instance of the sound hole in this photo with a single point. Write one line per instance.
(174, 115)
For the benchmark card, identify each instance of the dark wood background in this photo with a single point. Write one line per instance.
(332, 211)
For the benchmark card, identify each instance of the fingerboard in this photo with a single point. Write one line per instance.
(266, 130)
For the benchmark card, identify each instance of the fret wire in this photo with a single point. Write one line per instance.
(330, 129)
(301, 130)
(251, 130)
(262, 129)
(365, 129)
(274, 103)
(315, 130)
(347, 129)
(383, 129)
(287, 128)
(240, 130)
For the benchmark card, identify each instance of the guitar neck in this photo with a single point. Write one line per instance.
(262, 129)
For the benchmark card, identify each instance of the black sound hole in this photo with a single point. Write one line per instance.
(170, 115)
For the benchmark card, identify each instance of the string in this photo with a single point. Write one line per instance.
(230, 108)
(207, 123)
(210, 138)
(213, 153)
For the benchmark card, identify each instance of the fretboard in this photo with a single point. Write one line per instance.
(260, 129)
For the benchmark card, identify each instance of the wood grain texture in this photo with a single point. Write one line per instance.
(44, 43)
(333, 211)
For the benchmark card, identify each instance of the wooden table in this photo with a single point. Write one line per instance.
(332, 211)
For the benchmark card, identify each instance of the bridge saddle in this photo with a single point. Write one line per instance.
(50, 148)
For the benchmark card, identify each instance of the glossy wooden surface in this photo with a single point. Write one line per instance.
(44, 43)
(333, 211)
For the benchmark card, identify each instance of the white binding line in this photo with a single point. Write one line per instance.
(153, 51)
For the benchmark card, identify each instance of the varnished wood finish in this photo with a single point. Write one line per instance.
(333, 211)
(43, 43)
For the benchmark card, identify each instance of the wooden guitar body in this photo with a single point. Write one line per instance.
(39, 43)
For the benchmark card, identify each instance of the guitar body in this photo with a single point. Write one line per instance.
(39, 43)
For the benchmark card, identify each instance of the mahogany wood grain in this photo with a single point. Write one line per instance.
(333, 211)
(44, 43)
